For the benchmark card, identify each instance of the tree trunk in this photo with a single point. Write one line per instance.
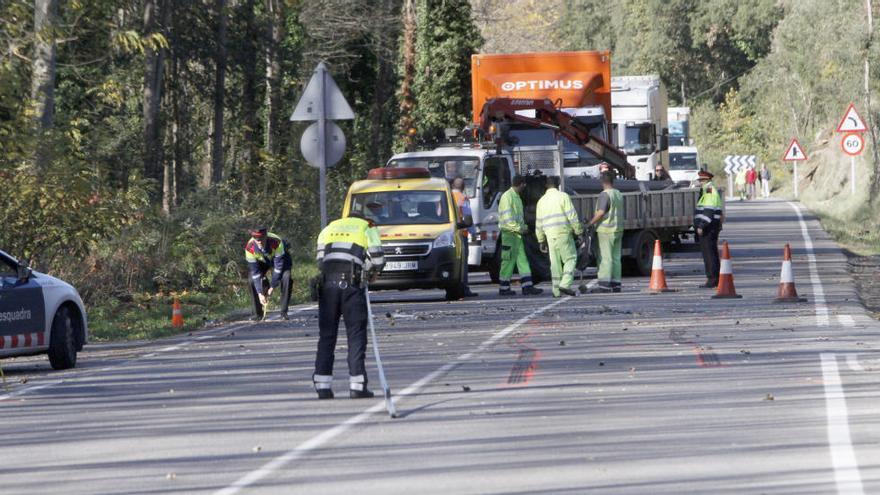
(275, 36)
(875, 153)
(43, 76)
(217, 157)
(407, 100)
(250, 103)
(153, 74)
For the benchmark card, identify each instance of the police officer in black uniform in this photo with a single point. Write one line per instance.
(349, 253)
(267, 253)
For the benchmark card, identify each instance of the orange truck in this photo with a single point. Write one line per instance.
(579, 81)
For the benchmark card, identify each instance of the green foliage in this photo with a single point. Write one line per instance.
(446, 37)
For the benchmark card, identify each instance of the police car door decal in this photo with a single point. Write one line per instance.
(22, 312)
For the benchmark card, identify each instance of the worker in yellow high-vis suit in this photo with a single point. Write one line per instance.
(556, 226)
(608, 220)
(513, 252)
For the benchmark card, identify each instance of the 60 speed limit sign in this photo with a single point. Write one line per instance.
(853, 144)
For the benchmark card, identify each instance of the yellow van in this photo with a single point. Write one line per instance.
(419, 226)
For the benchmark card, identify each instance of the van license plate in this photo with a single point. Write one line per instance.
(396, 266)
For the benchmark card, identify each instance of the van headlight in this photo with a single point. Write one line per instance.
(446, 239)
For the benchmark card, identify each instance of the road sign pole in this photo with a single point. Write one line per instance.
(794, 178)
(852, 170)
(322, 152)
(730, 191)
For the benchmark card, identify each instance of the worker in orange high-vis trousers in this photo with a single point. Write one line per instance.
(463, 203)
(267, 253)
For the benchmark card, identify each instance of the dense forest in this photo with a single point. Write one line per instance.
(139, 139)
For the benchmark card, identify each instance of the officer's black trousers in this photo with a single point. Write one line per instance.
(351, 304)
(285, 293)
(709, 247)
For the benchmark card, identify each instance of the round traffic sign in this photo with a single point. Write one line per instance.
(853, 144)
(334, 147)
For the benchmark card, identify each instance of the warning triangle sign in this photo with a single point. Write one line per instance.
(795, 152)
(852, 121)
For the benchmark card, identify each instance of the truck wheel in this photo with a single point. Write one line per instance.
(62, 341)
(454, 293)
(641, 260)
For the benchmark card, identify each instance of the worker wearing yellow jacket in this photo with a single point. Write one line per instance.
(556, 225)
(513, 252)
(609, 221)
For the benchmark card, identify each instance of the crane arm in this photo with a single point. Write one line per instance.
(500, 110)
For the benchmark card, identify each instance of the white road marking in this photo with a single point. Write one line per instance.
(213, 334)
(818, 290)
(322, 438)
(852, 361)
(846, 320)
(843, 456)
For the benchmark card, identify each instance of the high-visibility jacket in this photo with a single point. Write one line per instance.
(556, 216)
(707, 214)
(274, 254)
(510, 213)
(350, 242)
(613, 219)
(463, 204)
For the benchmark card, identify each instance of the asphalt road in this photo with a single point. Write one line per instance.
(622, 394)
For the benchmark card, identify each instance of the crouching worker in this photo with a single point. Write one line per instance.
(267, 253)
(349, 253)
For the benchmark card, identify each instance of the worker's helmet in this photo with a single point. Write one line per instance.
(705, 175)
(259, 233)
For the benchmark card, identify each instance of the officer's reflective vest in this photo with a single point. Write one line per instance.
(350, 240)
(613, 219)
(510, 213)
(555, 216)
(274, 254)
(708, 211)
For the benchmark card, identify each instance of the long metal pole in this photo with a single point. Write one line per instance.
(730, 191)
(852, 170)
(560, 162)
(794, 178)
(386, 390)
(322, 152)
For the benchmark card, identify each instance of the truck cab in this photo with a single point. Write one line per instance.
(419, 227)
(684, 163)
(639, 121)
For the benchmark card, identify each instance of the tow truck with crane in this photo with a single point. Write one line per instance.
(652, 210)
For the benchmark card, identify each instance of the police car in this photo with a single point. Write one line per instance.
(39, 314)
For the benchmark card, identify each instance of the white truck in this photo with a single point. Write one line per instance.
(684, 163)
(639, 126)
(678, 119)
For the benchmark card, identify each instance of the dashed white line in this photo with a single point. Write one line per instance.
(852, 361)
(843, 456)
(818, 290)
(846, 320)
(328, 435)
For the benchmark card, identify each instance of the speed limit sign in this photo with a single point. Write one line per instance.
(853, 144)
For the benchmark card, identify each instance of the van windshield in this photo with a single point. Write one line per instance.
(683, 161)
(402, 207)
(445, 167)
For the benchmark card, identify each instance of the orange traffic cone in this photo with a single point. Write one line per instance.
(658, 276)
(787, 292)
(725, 278)
(176, 315)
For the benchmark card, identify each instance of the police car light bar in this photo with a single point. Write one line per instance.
(399, 173)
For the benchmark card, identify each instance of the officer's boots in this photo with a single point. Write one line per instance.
(323, 384)
(358, 387)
